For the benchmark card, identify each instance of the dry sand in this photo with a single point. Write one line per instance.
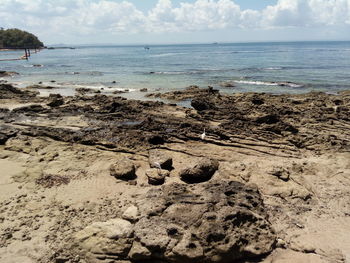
(51, 187)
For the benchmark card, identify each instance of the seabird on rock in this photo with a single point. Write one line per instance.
(203, 135)
(157, 165)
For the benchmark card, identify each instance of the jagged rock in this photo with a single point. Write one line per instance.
(6, 133)
(139, 252)
(34, 108)
(202, 171)
(156, 176)
(218, 221)
(55, 100)
(280, 172)
(35, 86)
(8, 73)
(202, 103)
(189, 93)
(131, 214)
(108, 240)
(8, 91)
(158, 158)
(124, 169)
(156, 139)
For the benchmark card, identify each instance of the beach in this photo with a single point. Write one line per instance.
(243, 177)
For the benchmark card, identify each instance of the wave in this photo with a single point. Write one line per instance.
(190, 72)
(87, 73)
(258, 51)
(169, 72)
(97, 87)
(33, 66)
(273, 68)
(267, 83)
(166, 55)
(264, 69)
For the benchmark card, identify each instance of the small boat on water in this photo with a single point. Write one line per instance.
(146, 47)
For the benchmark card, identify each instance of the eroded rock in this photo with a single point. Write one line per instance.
(123, 169)
(202, 171)
(156, 176)
(160, 159)
(106, 240)
(131, 213)
(219, 221)
(55, 100)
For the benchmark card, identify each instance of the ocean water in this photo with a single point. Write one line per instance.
(296, 67)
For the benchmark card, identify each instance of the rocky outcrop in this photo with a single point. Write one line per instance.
(201, 171)
(34, 108)
(6, 133)
(8, 91)
(160, 159)
(56, 100)
(124, 169)
(7, 73)
(219, 221)
(156, 176)
(189, 93)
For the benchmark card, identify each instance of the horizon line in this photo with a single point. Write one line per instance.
(195, 43)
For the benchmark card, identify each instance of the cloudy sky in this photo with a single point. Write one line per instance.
(178, 21)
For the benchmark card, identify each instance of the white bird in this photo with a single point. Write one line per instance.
(203, 135)
(157, 165)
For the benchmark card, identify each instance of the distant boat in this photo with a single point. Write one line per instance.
(215, 43)
(146, 47)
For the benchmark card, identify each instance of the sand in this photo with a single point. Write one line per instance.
(55, 169)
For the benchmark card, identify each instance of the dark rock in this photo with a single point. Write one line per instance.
(7, 91)
(124, 169)
(6, 132)
(202, 171)
(143, 90)
(156, 140)
(40, 87)
(56, 100)
(268, 119)
(202, 103)
(34, 108)
(120, 91)
(189, 93)
(83, 91)
(8, 73)
(218, 221)
(256, 100)
(160, 159)
(280, 172)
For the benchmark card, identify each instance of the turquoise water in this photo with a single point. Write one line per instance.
(260, 67)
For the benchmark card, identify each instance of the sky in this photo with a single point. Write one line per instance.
(177, 21)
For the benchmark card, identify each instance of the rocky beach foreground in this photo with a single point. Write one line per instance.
(236, 178)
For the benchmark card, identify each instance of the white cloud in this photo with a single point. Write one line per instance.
(307, 13)
(86, 17)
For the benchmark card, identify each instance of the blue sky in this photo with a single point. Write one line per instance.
(168, 21)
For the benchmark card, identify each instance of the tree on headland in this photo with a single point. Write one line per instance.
(16, 38)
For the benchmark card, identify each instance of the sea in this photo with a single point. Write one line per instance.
(287, 67)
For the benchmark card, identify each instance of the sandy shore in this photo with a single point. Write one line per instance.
(105, 179)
